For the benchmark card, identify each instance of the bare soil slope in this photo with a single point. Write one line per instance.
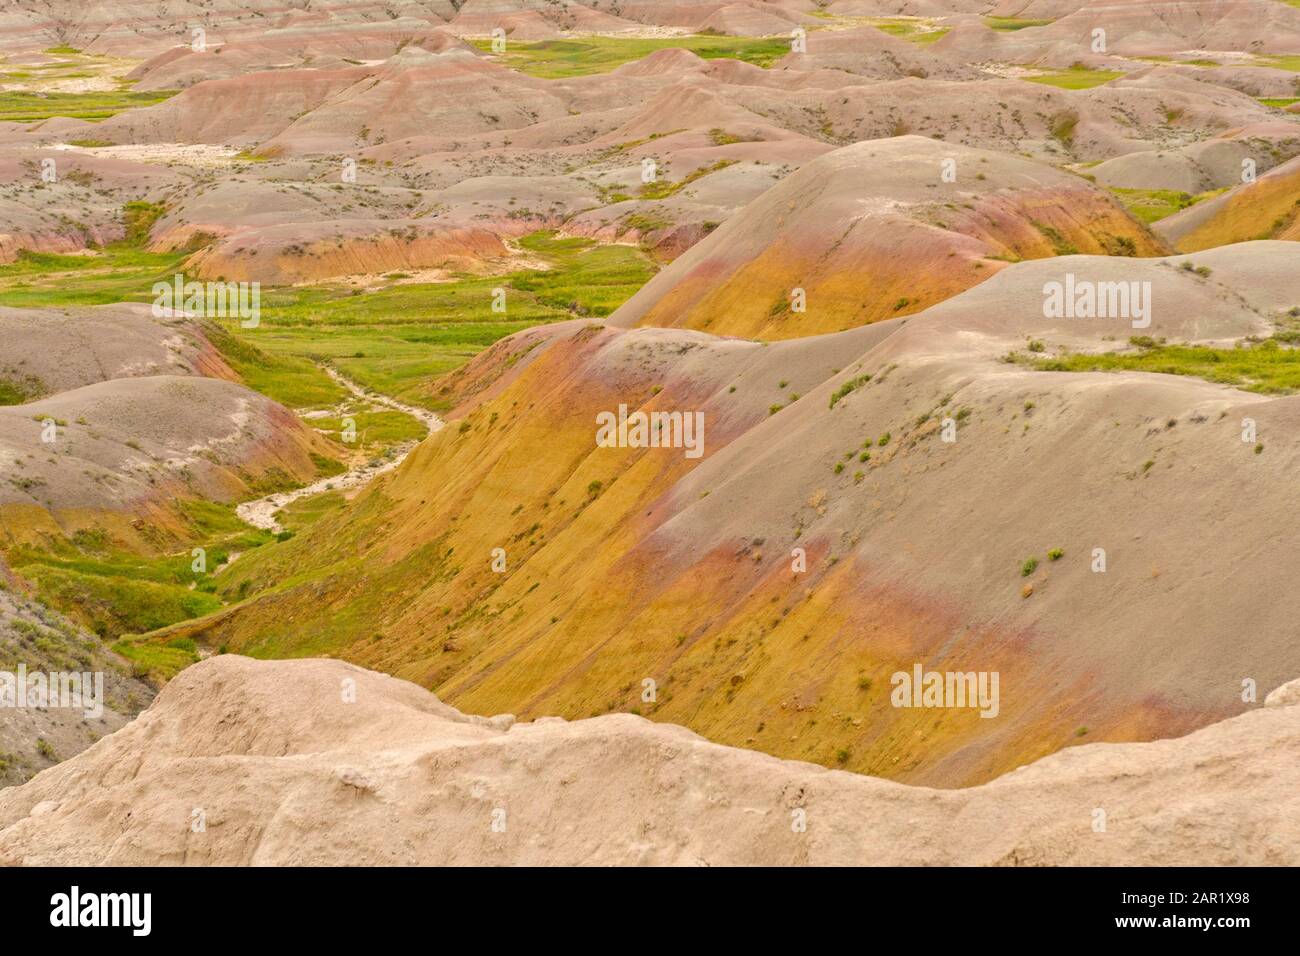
(283, 771)
(44, 641)
(916, 548)
(875, 230)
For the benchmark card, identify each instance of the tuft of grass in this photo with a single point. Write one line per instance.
(24, 388)
(663, 188)
(1060, 245)
(848, 387)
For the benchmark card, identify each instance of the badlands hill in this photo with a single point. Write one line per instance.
(42, 640)
(1268, 208)
(626, 564)
(876, 230)
(45, 351)
(455, 152)
(115, 419)
(1132, 28)
(916, 466)
(344, 145)
(144, 27)
(282, 771)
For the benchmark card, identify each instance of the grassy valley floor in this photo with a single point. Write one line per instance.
(393, 336)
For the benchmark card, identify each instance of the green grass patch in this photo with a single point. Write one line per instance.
(290, 380)
(114, 591)
(585, 278)
(158, 662)
(1280, 103)
(19, 106)
(399, 338)
(1076, 78)
(848, 388)
(14, 390)
(1013, 23)
(1063, 126)
(554, 59)
(305, 512)
(113, 606)
(1267, 367)
(1152, 205)
(375, 429)
(662, 189)
(1287, 61)
(907, 28)
(117, 273)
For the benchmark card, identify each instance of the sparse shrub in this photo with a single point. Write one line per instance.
(848, 387)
